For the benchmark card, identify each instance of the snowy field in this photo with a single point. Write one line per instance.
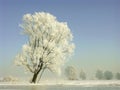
(63, 82)
(62, 85)
(85, 83)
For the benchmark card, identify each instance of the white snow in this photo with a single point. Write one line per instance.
(65, 82)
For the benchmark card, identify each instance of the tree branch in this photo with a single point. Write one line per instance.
(28, 66)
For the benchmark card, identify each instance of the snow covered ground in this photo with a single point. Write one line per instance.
(62, 85)
(66, 82)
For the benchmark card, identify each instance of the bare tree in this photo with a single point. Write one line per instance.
(49, 44)
(71, 73)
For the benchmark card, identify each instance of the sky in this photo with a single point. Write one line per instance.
(95, 25)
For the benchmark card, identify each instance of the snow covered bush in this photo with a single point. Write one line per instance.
(71, 73)
(49, 44)
(9, 79)
(82, 75)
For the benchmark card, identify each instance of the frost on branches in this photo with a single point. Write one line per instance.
(49, 44)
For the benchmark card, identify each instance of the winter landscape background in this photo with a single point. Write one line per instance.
(95, 26)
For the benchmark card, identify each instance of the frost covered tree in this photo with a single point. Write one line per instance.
(71, 73)
(49, 44)
(99, 74)
(108, 75)
(82, 75)
(117, 76)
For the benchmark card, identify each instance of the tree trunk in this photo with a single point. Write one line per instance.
(34, 77)
(41, 75)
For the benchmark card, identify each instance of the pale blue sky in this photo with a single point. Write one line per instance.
(95, 25)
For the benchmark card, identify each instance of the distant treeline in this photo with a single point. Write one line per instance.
(72, 73)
